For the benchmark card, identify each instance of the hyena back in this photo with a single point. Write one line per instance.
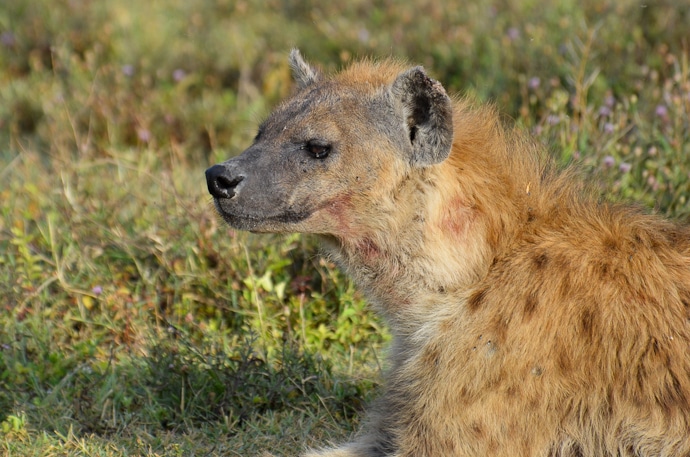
(528, 318)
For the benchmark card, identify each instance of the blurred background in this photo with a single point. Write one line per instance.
(132, 321)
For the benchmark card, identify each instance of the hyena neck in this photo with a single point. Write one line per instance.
(438, 236)
(423, 250)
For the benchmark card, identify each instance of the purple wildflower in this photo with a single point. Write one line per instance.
(178, 75)
(661, 111)
(128, 70)
(144, 135)
(609, 161)
(604, 111)
(7, 39)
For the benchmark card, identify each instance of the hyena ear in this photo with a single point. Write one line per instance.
(428, 116)
(303, 73)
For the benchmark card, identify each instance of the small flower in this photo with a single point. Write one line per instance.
(609, 161)
(652, 182)
(7, 39)
(553, 119)
(624, 167)
(609, 127)
(178, 75)
(128, 70)
(604, 111)
(534, 82)
(144, 135)
(513, 33)
(97, 290)
(661, 111)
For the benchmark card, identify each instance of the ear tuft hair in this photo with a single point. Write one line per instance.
(303, 73)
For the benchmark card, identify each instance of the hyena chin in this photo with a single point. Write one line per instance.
(529, 319)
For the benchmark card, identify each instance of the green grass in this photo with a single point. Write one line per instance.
(134, 322)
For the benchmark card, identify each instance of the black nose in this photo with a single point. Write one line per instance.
(221, 182)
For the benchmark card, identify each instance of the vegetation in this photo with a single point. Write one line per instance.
(134, 322)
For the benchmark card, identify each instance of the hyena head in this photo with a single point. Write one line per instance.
(334, 149)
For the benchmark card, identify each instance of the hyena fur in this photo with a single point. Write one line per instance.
(528, 318)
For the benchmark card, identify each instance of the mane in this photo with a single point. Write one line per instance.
(494, 158)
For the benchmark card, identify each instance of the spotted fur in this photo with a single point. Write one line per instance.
(529, 319)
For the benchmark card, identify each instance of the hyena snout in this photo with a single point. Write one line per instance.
(223, 181)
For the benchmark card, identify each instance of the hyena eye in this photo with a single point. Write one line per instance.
(318, 150)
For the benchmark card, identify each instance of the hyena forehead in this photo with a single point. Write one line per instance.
(331, 109)
(407, 105)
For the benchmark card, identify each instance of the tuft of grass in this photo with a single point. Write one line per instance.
(133, 321)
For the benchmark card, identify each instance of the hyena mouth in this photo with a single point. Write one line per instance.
(256, 222)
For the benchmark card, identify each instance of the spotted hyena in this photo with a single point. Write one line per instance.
(528, 318)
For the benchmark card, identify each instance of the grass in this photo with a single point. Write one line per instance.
(133, 322)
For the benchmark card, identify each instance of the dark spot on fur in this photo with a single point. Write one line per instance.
(611, 244)
(431, 356)
(676, 237)
(655, 241)
(568, 448)
(604, 269)
(511, 391)
(500, 327)
(541, 261)
(531, 303)
(476, 300)
(576, 450)
(671, 395)
(477, 430)
(565, 286)
(641, 377)
(587, 323)
(564, 363)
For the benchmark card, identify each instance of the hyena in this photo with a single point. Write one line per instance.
(528, 318)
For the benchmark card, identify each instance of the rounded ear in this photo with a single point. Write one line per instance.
(303, 73)
(428, 114)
